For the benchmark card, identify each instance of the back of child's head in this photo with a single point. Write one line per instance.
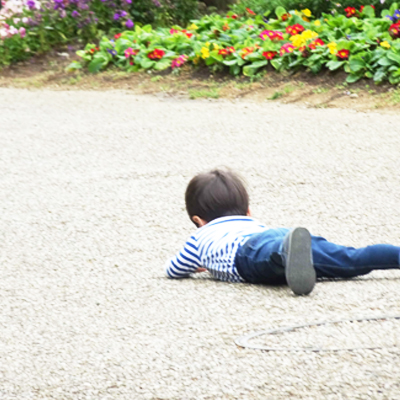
(216, 194)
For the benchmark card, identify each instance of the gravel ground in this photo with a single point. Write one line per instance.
(91, 201)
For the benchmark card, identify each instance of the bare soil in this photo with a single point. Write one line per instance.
(321, 91)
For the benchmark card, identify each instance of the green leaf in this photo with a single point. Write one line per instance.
(279, 11)
(276, 63)
(235, 70)
(356, 64)
(394, 57)
(73, 66)
(248, 70)
(146, 63)
(353, 78)
(163, 64)
(97, 64)
(259, 64)
(379, 75)
(334, 65)
(385, 61)
(230, 62)
(368, 11)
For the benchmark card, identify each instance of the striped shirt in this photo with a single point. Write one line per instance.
(214, 246)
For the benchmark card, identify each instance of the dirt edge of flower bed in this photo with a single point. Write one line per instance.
(324, 90)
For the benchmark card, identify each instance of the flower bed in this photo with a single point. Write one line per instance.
(29, 27)
(359, 42)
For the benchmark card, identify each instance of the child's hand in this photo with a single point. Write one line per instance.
(200, 270)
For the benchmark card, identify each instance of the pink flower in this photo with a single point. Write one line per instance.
(130, 52)
(22, 31)
(273, 35)
(178, 62)
(286, 48)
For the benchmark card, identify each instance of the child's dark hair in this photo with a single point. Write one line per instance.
(215, 194)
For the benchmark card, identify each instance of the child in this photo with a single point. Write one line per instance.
(234, 247)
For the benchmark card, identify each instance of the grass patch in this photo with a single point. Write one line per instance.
(275, 96)
(320, 90)
(289, 89)
(204, 93)
(156, 78)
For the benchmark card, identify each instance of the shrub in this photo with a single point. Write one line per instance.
(317, 7)
(28, 27)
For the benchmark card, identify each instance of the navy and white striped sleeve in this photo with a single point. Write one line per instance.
(185, 262)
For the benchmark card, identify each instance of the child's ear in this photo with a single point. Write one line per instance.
(248, 212)
(198, 221)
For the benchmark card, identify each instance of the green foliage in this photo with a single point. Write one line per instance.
(25, 31)
(317, 7)
(247, 45)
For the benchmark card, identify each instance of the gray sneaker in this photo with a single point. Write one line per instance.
(297, 259)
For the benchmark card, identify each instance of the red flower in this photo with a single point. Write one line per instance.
(344, 54)
(317, 42)
(362, 8)
(188, 34)
(225, 27)
(156, 54)
(269, 55)
(233, 16)
(350, 11)
(294, 29)
(395, 30)
(225, 52)
(286, 16)
(251, 12)
(117, 36)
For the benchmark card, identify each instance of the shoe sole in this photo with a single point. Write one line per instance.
(300, 273)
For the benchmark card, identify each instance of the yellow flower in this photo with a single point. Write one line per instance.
(216, 47)
(385, 44)
(193, 27)
(297, 40)
(332, 47)
(317, 22)
(207, 44)
(306, 12)
(205, 53)
(305, 19)
(309, 34)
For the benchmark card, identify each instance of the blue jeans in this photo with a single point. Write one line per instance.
(259, 259)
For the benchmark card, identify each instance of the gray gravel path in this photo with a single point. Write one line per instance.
(91, 202)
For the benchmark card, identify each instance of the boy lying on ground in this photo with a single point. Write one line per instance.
(234, 247)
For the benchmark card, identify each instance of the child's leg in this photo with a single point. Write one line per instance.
(335, 261)
(259, 260)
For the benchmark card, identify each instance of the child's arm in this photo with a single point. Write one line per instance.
(186, 262)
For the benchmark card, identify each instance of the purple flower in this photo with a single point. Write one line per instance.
(389, 17)
(31, 4)
(396, 14)
(112, 52)
(265, 19)
(156, 3)
(128, 1)
(75, 14)
(58, 4)
(129, 24)
(123, 14)
(63, 13)
(116, 16)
